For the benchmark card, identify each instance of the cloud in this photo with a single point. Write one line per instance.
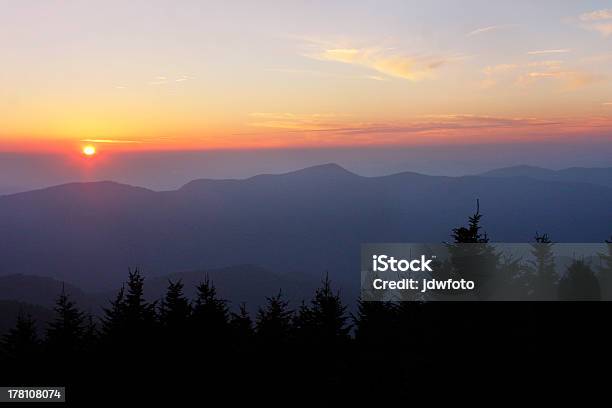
(597, 15)
(603, 29)
(296, 121)
(343, 130)
(114, 141)
(487, 29)
(310, 72)
(607, 104)
(343, 124)
(599, 21)
(554, 51)
(571, 79)
(387, 61)
(500, 68)
(162, 80)
(529, 73)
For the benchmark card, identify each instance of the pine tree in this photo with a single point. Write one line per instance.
(241, 326)
(139, 312)
(471, 234)
(21, 342)
(90, 334)
(546, 279)
(579, 283)
(113, 321)
(130, 317)
(605, 272)
(274, 322)
(471, 256)
(175, 309)
(325, 320)
(65, 332)
(210, 315)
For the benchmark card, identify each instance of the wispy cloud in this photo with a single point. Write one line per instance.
(162, 80)
(483, 30)
(113, 141)
(607, 104)
(387, 61)
(571, 79)
(553, 51)
(344, 124)
(336, 130)
(296, 121)
(531, 72)
(603, 29)
(597, 15)
(599, 21)
(315, 73)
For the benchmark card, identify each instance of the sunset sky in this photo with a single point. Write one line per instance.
(182, 75)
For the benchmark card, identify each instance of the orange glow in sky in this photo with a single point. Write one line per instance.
(184, 77)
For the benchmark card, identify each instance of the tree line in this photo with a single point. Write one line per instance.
(181, 342)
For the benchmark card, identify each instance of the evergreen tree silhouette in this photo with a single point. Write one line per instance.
(579, 283)
(130, 318)
(471, 234)
(21, 343)
(65, 333)
(175, 309)
(274, 322)
(546, 278)
(90, 334)
(472, 258)
(139, 313)
(324, 321)
(210, 317)
(241, 326)
(605, 272)
(113, 322)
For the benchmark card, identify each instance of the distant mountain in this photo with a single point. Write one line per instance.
(298, 224)
(42, 290)
(10, 309)
(601, 176)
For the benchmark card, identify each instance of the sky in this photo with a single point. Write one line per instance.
(201, 75)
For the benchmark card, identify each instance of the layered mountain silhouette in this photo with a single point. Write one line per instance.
(601, 176)
(299, 224)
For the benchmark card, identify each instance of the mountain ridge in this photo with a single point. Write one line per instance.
(299, 223)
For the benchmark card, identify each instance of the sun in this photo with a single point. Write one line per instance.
(89, 150)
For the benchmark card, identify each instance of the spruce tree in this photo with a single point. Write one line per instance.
(139, 313)
(325, 320)
(274, 322)
(210, 315)
(21, 342)
(113, 321)
(175, 308)
(545, 278)
(130, 317)
(241, 326)
(605, 272)
(579, 283)
(65, 333)
(471, 256)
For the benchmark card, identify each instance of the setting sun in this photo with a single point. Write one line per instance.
(89, 150)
